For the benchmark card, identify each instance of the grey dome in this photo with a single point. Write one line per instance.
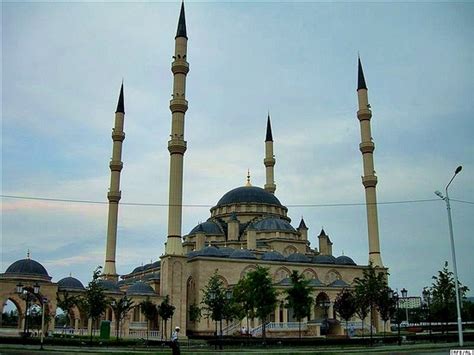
(208, 227)
(298, 258)
(285, 282)
(315, 283)
(140, 288)
(324, 259)
(70, 283)
(344, 260)
(273, 256)
(226, 251)
(273, 224)
(338, 283)
(138, 269)
(209, 251)
(248, 194)
(242, 254)
(27, 267)
(109, 286)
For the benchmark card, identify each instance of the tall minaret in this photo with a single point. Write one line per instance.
(269, 160)
(114, 191)
(369, 180)
(177, 144)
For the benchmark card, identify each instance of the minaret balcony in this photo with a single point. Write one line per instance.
(114, 196)
(180, 66)
(269, 161)
(369, 181)
(177, 146)
(367, 147)
(118, 136)
(178, 105)
(116, 165)
(364, 114)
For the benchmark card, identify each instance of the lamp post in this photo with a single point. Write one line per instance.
(427, 300)
(212, 296)
(405, 298)
(44, 301)
(25, 292)
(394, 296)
(453, 252)
(325, 304)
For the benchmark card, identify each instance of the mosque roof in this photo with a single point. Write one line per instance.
(25, 267)
(109, 286)
(344, 260)
(273, 224)
(298, 258)
(209, 251)
(208, 227)
(338, 283)
(140, 288)
(70, 283)
(324, 259)
(248, 194)
(242, 254)
(273, 256)
(315, 283)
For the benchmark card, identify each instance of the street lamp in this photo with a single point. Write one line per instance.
(25, 292)
(427, 300)
(394, 296)
(453, 252)
(44, 300)
(212, 296)
(405, 298)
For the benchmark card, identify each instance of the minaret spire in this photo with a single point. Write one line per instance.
(269, 160)
(177, 144)
(114, 194)
(369, 179)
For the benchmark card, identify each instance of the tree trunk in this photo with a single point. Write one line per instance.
(299, 328)
(117, 326)
(371, 321)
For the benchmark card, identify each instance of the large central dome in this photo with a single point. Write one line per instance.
(248, 194)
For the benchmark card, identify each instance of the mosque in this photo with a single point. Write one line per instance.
(248, 226)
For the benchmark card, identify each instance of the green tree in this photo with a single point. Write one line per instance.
(149, 310)
(298, 297)
(444, 295)
(345, 305)
(214, 299)
(264, 293)
(386, 306)
(243, 299)
(66, 303)
(120, 308)
(165, 311)
(194, 313)
(93, 303)
(368, 291)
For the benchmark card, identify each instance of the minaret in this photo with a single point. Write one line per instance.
(369, 180)
(269, 160)
(177, 144)
(114, 191)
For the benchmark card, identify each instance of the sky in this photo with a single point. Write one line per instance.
(62, 67)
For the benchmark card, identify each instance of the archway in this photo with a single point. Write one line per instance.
(9, 317)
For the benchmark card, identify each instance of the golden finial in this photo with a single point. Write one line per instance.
(248, 178)
(28, 254)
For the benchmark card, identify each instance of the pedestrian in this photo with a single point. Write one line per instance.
(174, 341)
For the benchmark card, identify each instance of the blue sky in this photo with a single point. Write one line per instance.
(63, 64)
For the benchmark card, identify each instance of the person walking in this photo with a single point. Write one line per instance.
(174, 341)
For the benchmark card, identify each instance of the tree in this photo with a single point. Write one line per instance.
(386, 306)
(264, 294)
(345, 305)
(120, 308)
(444, 295)
(298, 297)
(194, 313)
(244, 300)
(165, 311)
(149, 310)
(66, 303)
(214, 299)
(368, 291)
(93, 303)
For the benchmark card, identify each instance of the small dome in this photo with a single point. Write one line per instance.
(209, 251)
(273, 224)
(70, 283)
(27, 267)
(298, 258)
(242, 254)
(338, 283)
(109, 286)
(344, 260)
(324, 259)
(140, 288)
(273, 256)
(226, 251)
(137, 269)
(285, 282)
(152, 276)
(315, 283)
(248, 194)
(208, 227)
